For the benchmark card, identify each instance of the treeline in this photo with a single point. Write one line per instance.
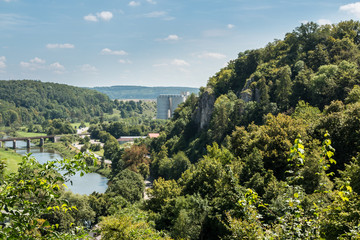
(127, 127)
(316, 64)
(273, 144)
(269, 150)
(141, 92)
(144, 109)
(27, 101)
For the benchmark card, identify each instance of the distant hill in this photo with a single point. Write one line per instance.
(139, 92)
(28, 101)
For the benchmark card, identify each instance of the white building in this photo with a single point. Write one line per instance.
(167, 103)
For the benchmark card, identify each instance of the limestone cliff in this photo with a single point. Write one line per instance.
(202, 114)
(246, 93)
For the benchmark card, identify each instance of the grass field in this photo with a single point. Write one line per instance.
(76, 125)
(12, 159)
(114, 115)
(100, 153)
(29, 134)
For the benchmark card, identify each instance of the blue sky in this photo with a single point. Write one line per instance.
(145, 42)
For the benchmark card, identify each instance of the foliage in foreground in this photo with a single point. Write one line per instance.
(34, 191)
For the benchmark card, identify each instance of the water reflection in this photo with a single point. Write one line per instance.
(82, 185)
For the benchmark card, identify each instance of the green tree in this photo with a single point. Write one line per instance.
(31, 193)
(283, 86)
(128, 184)
(129, 227)
(83, 216)
(220, 120)
(201, 177)
(10, 117)
(111, 147)
(162, 192)
(354, 95)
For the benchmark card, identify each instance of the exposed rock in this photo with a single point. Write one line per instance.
(246, 93)
(202, 114)
(257, 95)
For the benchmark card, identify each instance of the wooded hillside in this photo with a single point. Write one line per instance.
(315, 64)
(273, 141)
(34, 101)
(140, 92)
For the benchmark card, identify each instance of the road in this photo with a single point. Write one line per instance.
(78, 146)
(148, 184)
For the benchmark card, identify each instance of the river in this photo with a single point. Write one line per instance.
(82, 185)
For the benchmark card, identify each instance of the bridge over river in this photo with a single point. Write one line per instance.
(53, 138)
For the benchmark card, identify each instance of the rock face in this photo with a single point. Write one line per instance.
(202, 114)
(246, 93)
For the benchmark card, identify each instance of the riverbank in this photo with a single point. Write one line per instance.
(105, 172)
(12, 159)
(70, 151)
(64, 151)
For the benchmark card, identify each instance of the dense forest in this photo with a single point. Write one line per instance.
(313, 65)
(275, 149)
(268, 150)
(27, 101)
(144, 109)
(140, 92)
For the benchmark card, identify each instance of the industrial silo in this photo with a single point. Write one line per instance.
(167, 103)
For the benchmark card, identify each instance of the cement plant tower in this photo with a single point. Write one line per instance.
(167, 103)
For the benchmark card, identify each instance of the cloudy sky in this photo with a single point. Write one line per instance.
(145, 42)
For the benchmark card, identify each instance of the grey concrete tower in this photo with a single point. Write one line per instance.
(167, 103)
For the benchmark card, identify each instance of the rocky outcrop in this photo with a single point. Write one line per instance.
(247, 93)
(202, 114)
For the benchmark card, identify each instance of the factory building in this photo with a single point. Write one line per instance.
(167, 103)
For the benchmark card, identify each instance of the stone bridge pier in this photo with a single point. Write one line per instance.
(53, 138)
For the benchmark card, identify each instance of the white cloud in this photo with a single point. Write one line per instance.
(172, 37)
(230, 26)
(160, 65)
(57, 68)
(57, 65)
(58, 45)
(34, 64)
(124, 61)
(212, 55)
(324, 21)
(107, 51)
(156, 14)
(38, 63)
(352, 8)
(9, 20)
(2, 63)
(151, 1)
(174, 62)
(88, 68)
(134, 4)
(179, 62)
(37, 60)
(104, 15)
(91, 18)
(159, 14)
